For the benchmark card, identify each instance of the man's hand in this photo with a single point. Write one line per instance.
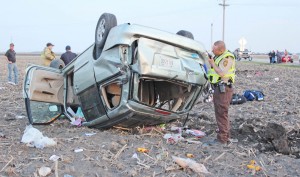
(211, 62)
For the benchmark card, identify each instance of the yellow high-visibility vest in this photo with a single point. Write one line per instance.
(214, 78)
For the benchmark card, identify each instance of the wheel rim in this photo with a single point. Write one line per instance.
(101, 30)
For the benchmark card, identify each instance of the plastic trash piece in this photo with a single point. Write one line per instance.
(190, 155)
(178, 129)
(44, 171)
(143, 150)
(189, 163)
(67, 175)
(233, 140)
(252, 166)
(77, 122)
(70, 110)
(54, 158)
(135, 156)
(197, 133)
(79, 113)
(78, 150)
(34, 138)
(90, 134)
(173, 138)
(20, 117)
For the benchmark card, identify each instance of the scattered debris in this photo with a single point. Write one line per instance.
(233, 140)
(67, 175)
(12, 158)
(143, 150)
(189, 163)
(78, 150)
(34, 138)
(54, 158)
(44, 171)
(90, 134)
(252, 166)
(2, 135)
(196, 133)
(20, 117)
(276, 79)
(77, 122)
(190, 155)
(173, 138)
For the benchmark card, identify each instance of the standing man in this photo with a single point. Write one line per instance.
(273, 56)
(11, 59)
(221, 76)
(270, 56)
(68, 56)
(48, 55)
(278, 56)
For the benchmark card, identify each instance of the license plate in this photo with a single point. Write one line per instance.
(166, 62)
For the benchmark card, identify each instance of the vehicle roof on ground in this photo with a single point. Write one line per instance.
(125, 34)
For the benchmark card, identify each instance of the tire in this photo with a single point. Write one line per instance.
(105, 23)
(185, 34)
(57, 63)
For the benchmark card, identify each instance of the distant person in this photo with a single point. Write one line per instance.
(68, 56)
(285, 53)
(278, 56)
(236, 54)
(48, 55)
(11, 59)
(273, 56)
(270, 56)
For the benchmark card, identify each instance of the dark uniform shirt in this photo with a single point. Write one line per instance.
(11, 55)
(67, 57)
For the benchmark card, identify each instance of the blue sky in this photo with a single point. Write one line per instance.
(266, 24)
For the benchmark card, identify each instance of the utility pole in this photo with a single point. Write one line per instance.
(224, 5)
(211, 34)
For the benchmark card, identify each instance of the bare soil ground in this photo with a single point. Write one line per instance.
(265, 131)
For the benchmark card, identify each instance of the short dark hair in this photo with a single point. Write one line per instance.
(68, 47)
(49, 44)
(221, 45)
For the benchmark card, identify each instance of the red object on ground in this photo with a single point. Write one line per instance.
(286, 59)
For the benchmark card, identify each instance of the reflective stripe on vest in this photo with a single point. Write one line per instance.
(214, 78)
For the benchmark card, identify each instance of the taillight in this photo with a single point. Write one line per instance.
(162, 112)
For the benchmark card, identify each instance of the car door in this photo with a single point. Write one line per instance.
(43, 91)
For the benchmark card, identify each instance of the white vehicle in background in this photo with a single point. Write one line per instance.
(246, 54)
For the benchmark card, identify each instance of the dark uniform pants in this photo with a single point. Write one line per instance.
(221, 104)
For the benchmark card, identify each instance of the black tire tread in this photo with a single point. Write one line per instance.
(185, 34)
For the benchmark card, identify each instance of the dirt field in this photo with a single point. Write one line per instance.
(265, 131)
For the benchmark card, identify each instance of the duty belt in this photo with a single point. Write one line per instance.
(217, 85)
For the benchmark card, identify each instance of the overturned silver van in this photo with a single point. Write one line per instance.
(131, 76)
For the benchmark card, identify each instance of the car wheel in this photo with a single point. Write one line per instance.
(57, 63)
(105, 23)
(185, 34)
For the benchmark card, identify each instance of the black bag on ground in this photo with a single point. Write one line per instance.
(238, 99)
